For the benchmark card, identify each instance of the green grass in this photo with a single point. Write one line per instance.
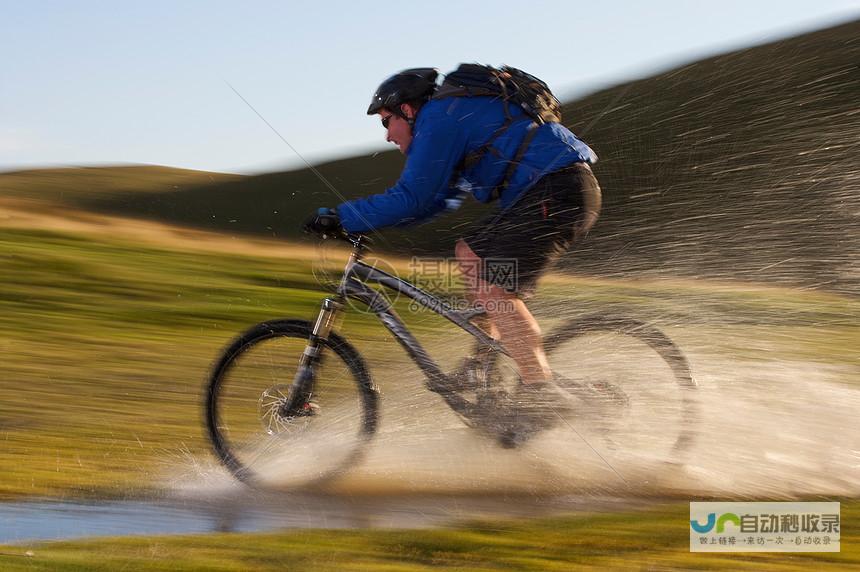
(106, 345)
(656, 538)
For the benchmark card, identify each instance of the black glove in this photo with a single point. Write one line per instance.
(325, 223)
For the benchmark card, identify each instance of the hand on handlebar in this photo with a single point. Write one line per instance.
(325, 223)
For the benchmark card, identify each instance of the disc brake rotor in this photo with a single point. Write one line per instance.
(271, 404)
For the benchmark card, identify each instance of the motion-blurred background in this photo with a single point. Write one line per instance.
(728, 143)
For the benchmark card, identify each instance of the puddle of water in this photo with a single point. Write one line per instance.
(61, 520)
(51, 520)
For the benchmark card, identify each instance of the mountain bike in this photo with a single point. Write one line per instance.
(292, 396)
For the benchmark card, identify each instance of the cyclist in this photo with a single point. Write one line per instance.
(549, 199)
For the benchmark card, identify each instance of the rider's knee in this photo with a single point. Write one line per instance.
(464, 252)
(470, 267)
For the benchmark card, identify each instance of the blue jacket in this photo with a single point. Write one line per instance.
(445, 131)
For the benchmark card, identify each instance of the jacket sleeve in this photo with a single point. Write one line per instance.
(436, 149)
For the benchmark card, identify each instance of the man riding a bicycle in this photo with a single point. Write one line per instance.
(539, 172)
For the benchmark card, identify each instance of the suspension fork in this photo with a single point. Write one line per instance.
(329, 312)
(302, 387)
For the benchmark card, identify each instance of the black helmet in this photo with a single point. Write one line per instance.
(408, 85)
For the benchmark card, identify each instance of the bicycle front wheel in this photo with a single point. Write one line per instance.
(248, 428)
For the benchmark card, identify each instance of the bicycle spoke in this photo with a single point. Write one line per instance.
(249, 429)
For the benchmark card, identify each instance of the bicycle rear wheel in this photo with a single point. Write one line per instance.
(635, 387)
(246, 425)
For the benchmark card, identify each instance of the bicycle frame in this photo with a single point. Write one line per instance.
(353, 285)
(492, 411)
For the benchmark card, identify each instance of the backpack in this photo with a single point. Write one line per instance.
(514, 87)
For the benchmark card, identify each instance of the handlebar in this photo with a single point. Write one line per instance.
(357, 240)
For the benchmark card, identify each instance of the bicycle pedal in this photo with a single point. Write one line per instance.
(513, 437)
(468, 377)
(509, 440)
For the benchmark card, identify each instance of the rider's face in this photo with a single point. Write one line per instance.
(398, 130)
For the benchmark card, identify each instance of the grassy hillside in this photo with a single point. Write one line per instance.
(78, 186)
(742, 165)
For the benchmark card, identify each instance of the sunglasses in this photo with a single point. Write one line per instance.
(386, 120)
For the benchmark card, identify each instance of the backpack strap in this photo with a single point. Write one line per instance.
(512, 166)
(475, 156)
(471, 80)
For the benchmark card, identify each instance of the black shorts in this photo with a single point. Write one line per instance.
(517, 244)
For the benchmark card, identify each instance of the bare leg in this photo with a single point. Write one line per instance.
(511, 322)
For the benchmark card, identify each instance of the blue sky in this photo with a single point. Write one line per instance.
(89, 83)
